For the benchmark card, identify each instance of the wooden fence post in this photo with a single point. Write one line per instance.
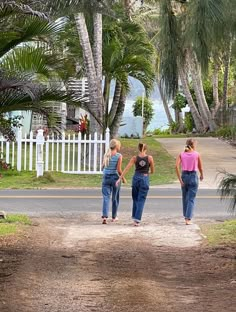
(39, 153)
(19, 149)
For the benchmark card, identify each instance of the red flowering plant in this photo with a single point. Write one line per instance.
(3, 164)
(83, 125)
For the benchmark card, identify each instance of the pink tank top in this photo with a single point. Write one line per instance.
(189, 161)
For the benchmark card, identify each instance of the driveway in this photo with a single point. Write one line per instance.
(216, 155)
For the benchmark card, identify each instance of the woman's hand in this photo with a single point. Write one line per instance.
(118, 182)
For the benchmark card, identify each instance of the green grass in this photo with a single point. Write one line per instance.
(164, 171)
(220, 234)
(12, 223)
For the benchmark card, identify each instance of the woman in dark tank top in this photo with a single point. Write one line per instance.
(144, 165)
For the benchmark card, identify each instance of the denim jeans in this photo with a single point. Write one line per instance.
(109, 188)
(189, 192)
(140, 187)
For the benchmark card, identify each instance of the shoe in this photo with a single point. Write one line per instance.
(136, 224)
(104, 221)
(114, 219)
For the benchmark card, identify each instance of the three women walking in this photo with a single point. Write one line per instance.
(189, 161)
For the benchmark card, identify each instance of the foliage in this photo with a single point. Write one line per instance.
(7, 124)
(227, 188)
(148, 111)
(226, 132)
(188, 122)
(179, 102)
(173, 127)
(159, 131)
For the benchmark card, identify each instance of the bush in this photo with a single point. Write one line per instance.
(226, 132)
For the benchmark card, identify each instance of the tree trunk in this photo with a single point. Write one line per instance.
(165, 103)
(206, 115)
(97, 45)
(115, 102)
(226, 77)
(196, 116)
(215, 86)
(95, 104)
(128, 7)
(194, 70)
(114, 128)
(106, 96)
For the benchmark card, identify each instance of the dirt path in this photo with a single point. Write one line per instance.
(83, 266)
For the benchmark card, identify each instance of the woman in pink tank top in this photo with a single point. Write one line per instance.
(190, 163)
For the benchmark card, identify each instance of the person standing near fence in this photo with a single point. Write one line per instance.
(112, 163)
(144, 165)
(190, 163)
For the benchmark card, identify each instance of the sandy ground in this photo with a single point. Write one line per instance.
(80, 265)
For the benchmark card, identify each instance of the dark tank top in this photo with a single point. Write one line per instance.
(142, 165)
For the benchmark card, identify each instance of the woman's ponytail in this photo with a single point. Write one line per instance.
(112, 145)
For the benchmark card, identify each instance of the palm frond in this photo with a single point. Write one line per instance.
(168, 49)
(8, 8)
(227, 188)
(203, 17)
(28, 59)
(33, 28)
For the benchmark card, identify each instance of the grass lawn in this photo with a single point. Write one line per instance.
(164, 171)
(220, 234)
(12, 223)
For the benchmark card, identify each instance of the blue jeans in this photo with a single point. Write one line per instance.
(189, 192)
(140, 187)
(109, 188)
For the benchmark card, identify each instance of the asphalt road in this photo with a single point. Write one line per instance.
(164, 202)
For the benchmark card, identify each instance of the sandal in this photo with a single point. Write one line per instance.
(104, 221)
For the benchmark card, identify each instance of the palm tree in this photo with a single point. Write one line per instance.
(27, 61)
(182, 48)
(127, 52)
(227, 188)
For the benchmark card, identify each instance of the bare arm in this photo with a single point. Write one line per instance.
(119, 168)
(119, 163)
(130, 164)
(177, 165)
(151, 162)
(200, 168)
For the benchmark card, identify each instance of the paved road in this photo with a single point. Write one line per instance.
(164, 202)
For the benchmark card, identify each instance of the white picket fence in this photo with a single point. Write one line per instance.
(69, 154)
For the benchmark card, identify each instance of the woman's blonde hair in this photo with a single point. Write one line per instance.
(112, 145)
(189, 145)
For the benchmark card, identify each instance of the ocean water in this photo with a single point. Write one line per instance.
(159, 120)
